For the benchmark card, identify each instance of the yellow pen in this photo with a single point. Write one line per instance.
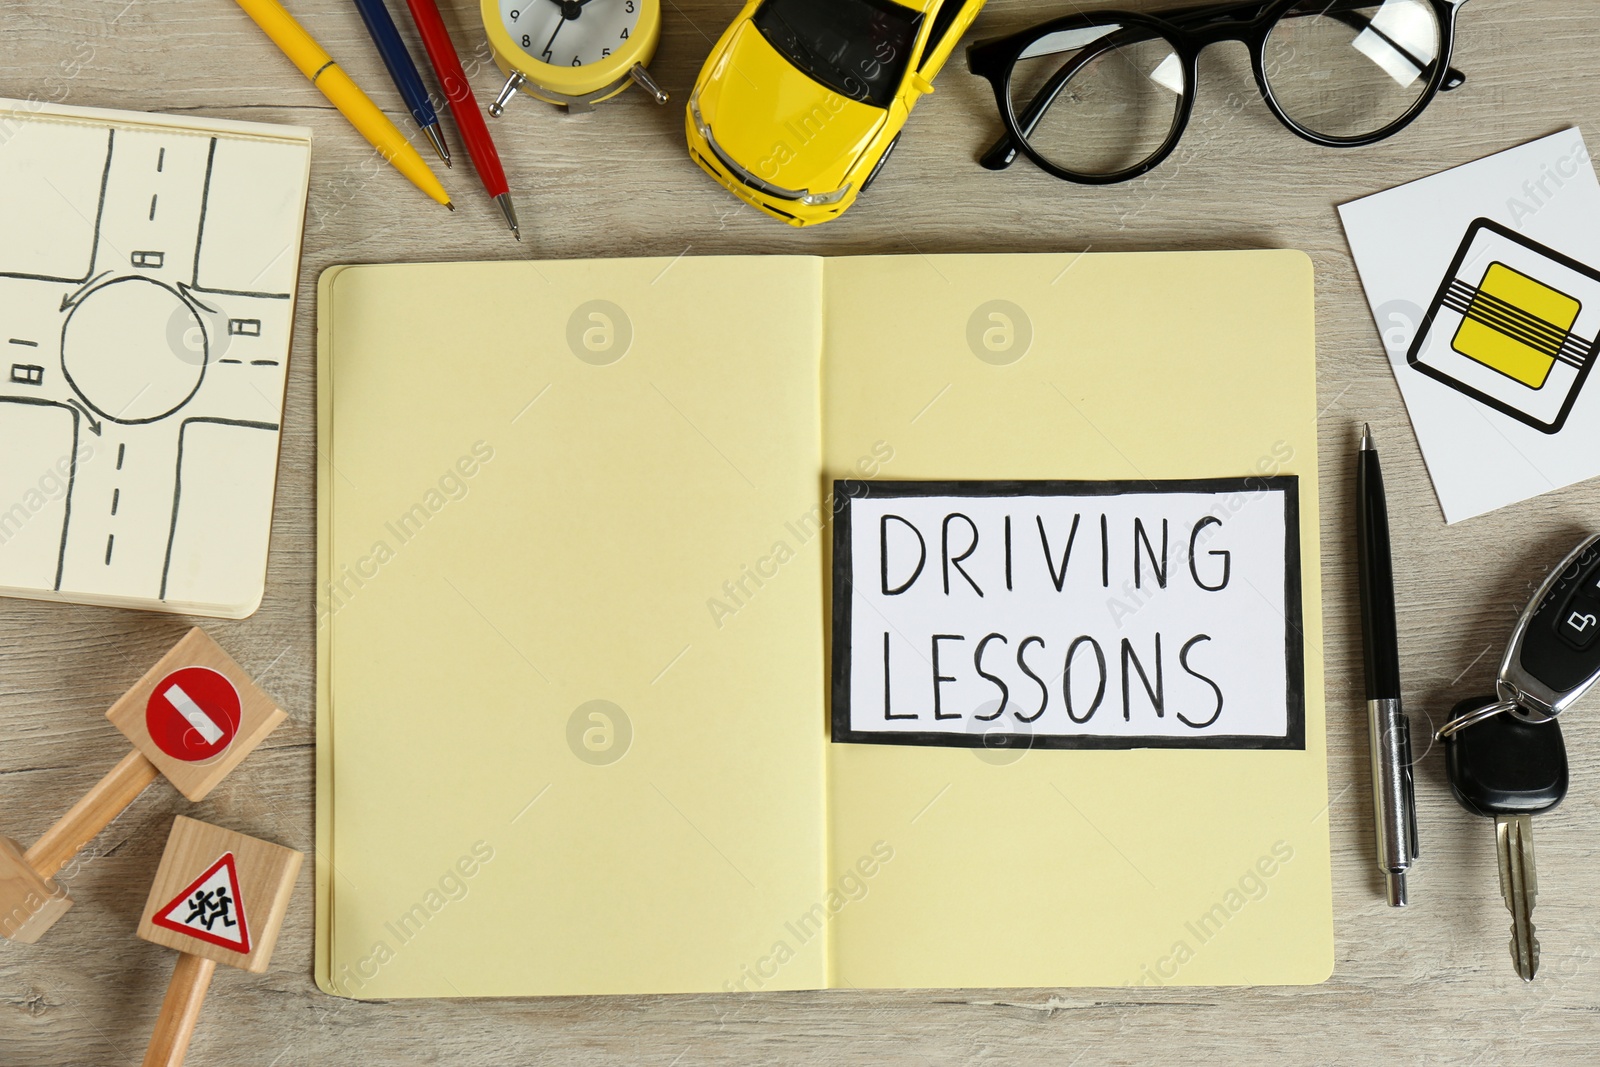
(304, 52)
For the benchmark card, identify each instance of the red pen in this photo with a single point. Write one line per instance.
(463, 105)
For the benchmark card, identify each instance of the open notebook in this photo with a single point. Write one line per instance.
(587, 534)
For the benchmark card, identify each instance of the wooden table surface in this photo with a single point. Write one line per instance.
(1433, 983)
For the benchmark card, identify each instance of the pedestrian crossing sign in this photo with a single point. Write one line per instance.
(210, 909)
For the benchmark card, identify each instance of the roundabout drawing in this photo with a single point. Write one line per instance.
(159, 369)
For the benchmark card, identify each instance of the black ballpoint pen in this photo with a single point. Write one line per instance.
(1393, 797)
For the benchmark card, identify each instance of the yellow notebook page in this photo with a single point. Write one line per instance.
(533, 479)
(959, 867)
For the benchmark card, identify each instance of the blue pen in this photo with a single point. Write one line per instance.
(404, 72)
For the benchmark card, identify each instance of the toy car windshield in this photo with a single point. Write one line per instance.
(857, 48)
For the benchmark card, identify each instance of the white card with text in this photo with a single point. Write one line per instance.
(1068, 614)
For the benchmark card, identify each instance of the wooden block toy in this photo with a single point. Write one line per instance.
(192, 717)
(218, 897)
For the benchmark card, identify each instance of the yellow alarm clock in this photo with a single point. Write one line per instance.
(573, 53)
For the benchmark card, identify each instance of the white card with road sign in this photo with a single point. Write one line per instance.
(1484, 282)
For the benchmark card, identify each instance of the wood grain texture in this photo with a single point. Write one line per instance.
(30, 903)
(1433, 984)
(180, 1011)
(94, 811)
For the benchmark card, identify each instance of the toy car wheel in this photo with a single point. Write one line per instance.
(878, 167)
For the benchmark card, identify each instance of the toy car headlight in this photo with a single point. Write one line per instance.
(818, 199)
(700, 123)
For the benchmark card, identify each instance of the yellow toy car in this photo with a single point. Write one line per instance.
(801, 101)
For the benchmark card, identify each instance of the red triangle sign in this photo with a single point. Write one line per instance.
(210, 909)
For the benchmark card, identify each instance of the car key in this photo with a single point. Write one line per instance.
(1509, 770)
(1553, 657)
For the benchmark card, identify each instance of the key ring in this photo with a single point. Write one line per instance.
(1472, 718)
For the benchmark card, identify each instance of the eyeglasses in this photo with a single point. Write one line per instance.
(1104, 97)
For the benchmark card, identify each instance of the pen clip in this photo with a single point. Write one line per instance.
(1413, 846)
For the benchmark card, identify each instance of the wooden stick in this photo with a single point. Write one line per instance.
(108, 799)
(180, 1010)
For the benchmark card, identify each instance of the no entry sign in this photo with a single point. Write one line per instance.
(193, 714)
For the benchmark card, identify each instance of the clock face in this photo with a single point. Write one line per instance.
(571, 33)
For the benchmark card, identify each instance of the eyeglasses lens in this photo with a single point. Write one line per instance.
(1341, 68)
(1098, 100)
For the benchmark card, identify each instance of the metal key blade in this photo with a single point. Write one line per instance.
(1519, 885)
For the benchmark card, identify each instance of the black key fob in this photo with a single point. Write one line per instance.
(1504, 765)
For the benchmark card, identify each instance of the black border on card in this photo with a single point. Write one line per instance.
(848, 490)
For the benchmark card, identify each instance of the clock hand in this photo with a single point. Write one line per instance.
(570, 10)
(551, 42)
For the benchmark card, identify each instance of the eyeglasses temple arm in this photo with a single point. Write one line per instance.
(1453, 78)
(999, 155)
(1343, 10)
(1003, 152)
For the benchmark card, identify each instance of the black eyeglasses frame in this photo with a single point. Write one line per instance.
(1190, 31)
